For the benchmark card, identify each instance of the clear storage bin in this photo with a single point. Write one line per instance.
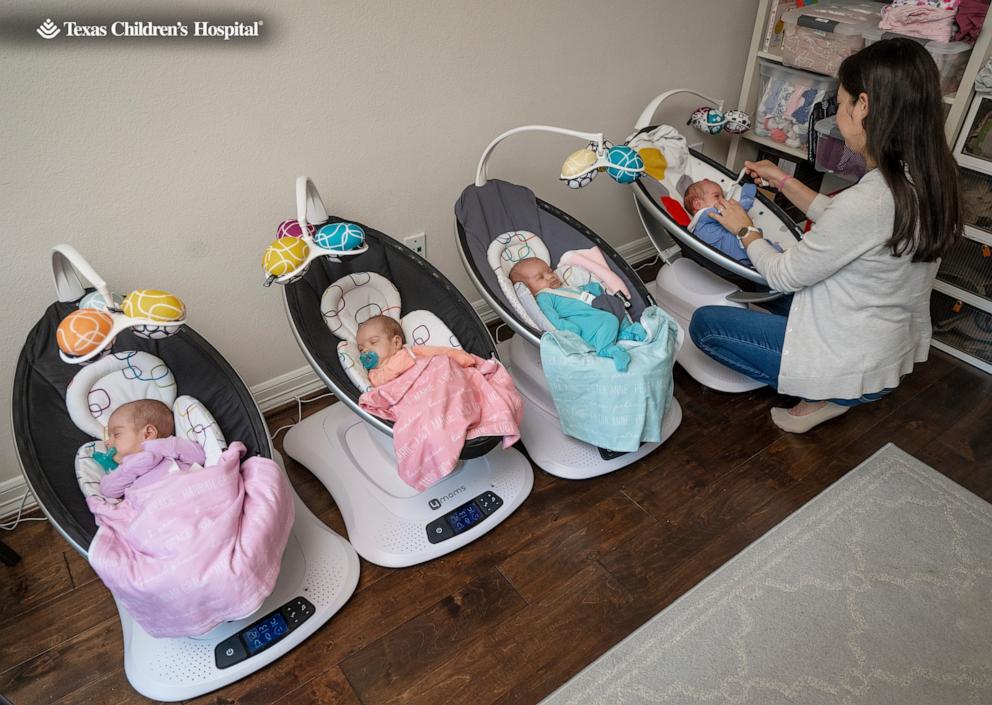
(968, 266)
(832, 154)
(785, 102)
(951, 57)
(976, 199)
(961, 326)
(819, 37)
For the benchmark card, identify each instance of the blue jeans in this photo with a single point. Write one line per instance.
(751, 342)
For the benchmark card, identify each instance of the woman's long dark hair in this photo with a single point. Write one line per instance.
(905, 138)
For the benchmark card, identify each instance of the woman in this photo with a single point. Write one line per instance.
(862, 277)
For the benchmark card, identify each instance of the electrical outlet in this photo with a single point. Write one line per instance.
(417, 243)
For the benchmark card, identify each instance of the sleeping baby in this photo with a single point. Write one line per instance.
(584, 311)
(383, 352)
(701, 198)
(141, 433)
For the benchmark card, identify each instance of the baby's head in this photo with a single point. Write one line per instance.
(702, 194)
(134, 423)
(381, 335)
(536, 274)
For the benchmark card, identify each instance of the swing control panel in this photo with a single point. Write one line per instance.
(464, 517)
(262, 634)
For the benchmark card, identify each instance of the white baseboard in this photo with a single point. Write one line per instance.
(285, 388)
(11, 492)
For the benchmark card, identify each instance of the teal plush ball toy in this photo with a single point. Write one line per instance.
(627, 164)
(340, 237)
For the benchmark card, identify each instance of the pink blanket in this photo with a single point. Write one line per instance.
(437, 405)
(593, 261)
(198, 547)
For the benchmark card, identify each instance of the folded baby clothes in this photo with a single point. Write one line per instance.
(940, 4)
(922, 21)
(970, 17)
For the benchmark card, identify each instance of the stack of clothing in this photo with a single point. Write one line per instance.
(936, 20)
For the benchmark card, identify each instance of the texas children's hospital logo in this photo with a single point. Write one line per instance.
(131, 29)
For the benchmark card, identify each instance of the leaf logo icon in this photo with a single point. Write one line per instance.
(49, 30)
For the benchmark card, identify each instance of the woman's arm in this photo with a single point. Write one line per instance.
(839, 237)
(801, 195)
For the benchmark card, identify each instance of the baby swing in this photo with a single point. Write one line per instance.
(695, 274)
(497, 223)
(54, 423)
(346, 274)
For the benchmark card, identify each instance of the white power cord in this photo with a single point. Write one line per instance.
(650, 262)
(11, 525)
(300, 401)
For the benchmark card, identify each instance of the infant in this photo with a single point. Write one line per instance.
(141, 434)
(576, 310)
(383, 352)
(701, 197)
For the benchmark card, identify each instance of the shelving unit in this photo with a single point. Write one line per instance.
(745, 146)
(959, 315)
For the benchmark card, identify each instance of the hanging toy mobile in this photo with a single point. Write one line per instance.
(712, 121)
(299, 242)
(623, 164)
(90, 330)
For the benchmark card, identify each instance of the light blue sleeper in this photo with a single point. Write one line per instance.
(570, 310)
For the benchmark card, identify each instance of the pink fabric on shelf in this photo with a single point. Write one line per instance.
(198, 547)
(924, 22)
(970, 18)
(437, 405)
(593, 261)
(940, 4)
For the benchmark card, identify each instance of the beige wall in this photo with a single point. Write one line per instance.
(168, 166)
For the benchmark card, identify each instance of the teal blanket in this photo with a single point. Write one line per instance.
(613, 410)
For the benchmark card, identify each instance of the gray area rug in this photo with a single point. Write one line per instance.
(879, 590)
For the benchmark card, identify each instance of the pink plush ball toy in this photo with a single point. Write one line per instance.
(291, 228)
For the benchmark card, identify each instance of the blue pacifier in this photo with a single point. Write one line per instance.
(106, 459)
(369, 360)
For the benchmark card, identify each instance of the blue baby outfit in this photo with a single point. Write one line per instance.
(715, 235)
(565, 310)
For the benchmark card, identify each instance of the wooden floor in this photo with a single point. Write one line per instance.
(512, 616)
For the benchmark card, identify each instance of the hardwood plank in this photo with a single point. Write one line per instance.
(565, 631)
(60, 671)
(42, 573)
(111, 688)
(327, 688)
(437, 634)
(553, 558)
(54, 622)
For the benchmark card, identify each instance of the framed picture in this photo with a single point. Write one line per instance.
(974, 145)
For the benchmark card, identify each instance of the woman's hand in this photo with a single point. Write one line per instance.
(731, 215)
(765, 171)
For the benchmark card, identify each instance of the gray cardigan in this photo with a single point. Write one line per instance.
(860, 318)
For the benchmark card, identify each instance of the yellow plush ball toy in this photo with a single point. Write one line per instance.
(82, 331)
(154, 304)
(284, 255)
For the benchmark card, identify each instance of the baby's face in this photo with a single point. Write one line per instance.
(373, 337)
(125, 436)
(709, 193)
(538, 275)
